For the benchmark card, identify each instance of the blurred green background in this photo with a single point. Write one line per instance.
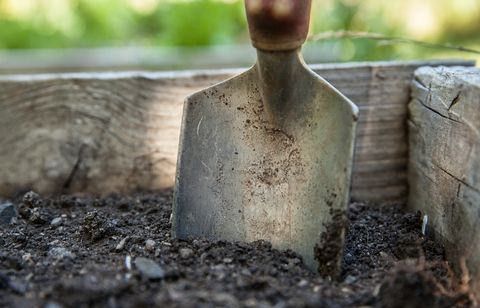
(202, 24)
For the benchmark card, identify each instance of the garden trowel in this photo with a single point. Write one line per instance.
(267, 155)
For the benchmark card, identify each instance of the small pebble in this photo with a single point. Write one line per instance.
(122, 243)
(150, 245)
(303, 283)
(52, 305)
(246, 272)
(7, 213)
(27, 257)
(53, 243)
(186, 253)
(60, 253)
(346, 290)
(56, 221)
(350, 279)
(384, 255)
(149, 268)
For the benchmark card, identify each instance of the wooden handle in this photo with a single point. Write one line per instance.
(278, 25)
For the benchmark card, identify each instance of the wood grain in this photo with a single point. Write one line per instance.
(118, 132)
(444, 160)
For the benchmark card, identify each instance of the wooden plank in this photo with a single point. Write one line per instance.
(117, 132)
(382, 128)
(395, 193)
(383, 180)
(444, 160)
(394, 164)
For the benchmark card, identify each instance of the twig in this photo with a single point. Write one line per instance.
(385, 39)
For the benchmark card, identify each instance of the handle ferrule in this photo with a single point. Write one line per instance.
(278, 25)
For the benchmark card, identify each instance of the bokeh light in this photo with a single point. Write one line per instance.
(73, 24)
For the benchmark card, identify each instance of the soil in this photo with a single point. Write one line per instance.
(80, 251)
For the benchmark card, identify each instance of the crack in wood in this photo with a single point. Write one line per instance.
(455, 100)
(457, 178)
(421, 84)
(73, 172)
(438, 113)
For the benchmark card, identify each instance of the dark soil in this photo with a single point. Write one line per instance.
(82, 251)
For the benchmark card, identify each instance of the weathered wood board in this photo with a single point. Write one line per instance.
(444, 160)
(117, 132)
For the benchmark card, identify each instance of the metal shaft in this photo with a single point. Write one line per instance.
(278, 78)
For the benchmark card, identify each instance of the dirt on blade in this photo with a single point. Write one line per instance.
(117, 251)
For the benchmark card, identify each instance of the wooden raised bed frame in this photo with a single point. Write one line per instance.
(118, 132)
